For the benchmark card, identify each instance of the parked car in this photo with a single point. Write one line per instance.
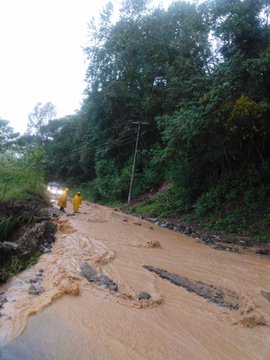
(54, 190)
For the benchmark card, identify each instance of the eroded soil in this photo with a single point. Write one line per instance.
(220, 309)
(26, 229)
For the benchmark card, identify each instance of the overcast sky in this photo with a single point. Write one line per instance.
(41, 55)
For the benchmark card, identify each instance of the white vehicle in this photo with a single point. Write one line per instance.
(54, 189)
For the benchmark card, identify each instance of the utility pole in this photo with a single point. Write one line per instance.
(134, 159)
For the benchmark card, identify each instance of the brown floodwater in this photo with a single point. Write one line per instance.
(76, 319)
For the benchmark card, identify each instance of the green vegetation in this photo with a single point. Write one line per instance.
(22, 175)
(8, 225)
(16, 265)
(197, 78)
(230, 207)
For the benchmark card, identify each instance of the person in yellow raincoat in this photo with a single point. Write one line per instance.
(77, 202)
(62, 201)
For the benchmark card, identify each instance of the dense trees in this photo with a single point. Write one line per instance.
(199, 76)
(7, 137)
(37, 121)
(206, 102)
(22, 172)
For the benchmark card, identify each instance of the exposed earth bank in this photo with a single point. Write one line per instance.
(26, 231)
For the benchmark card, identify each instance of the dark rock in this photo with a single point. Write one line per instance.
(101, 280)
(45, 250)
(187, 231)
(8, 249)
(32, 281)
(53, 212)
(88, 272)
(263, 252)
(200, 233)
(163, 225)
(266, 294)
(38, 235)
(144, 296)
(3, 299)
(219, 296)
(105, 282)
(35, 290)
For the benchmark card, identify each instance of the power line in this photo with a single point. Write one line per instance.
(66, 157)
(94, 147)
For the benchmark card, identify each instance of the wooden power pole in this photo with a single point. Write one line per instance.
(134, 159)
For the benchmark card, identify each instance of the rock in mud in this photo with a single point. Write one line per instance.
(39, 234)
(219, 246)
(144, 296)
(35, 290)
(206, 238)
(33, 281)
(3, 300)
(266, 294)
(40, 272)
(221, 297)
(53, 212)
(265, 251)
(8, 248)
(101, 280)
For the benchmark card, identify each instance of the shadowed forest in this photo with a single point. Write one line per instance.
(195, 80)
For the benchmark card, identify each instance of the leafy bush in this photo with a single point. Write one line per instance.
(235, 222)
(171, 203)
(23, 177)
(209, 201)
(16, 265)
(254, 197)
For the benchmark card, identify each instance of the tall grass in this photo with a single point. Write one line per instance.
(8, 225)
(15, 265)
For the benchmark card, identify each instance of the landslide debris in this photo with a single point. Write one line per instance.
(102, 281)
(221, 297)
(26, 230)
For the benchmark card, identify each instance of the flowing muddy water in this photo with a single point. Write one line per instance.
(86, 320)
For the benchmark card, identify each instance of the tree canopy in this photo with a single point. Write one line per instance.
(199, 75)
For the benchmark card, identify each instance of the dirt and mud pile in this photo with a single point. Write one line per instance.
(25, 229)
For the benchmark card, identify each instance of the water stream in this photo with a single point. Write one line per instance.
(73, 318)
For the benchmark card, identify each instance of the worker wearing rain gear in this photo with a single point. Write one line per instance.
(77, 202)
(62, 201)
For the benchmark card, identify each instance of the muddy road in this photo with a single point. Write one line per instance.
(116, 287)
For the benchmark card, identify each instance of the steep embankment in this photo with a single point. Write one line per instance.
(26, 231)
(142, 292)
